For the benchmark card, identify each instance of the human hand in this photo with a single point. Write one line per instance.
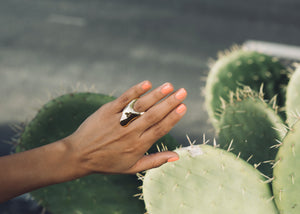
(102, 145)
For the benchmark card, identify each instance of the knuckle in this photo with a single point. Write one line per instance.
(170, 102)
(160, 131)
(124, 99)
(151, 118)
(138, 106)
(155, 163)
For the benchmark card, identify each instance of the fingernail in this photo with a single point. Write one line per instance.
(146, 85)
(173, 159)
(181, 94)
(166, 88)
(181, 108)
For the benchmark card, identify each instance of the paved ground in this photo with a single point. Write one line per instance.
(47, 47)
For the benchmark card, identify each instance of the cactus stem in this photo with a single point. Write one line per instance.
(280, 192)
(257, 165)
(215, 143)
(249, 158)
(238, 156)
(271, 199)
(293, 179)
(276, 163)
(140, 176)
(204, 139)
(277, 145)
(229, 147)
(158, 149)
(226, 127)
(189, 140)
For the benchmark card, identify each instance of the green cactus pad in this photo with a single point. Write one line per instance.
(286, 184)
(241, 67)
(109, 194)
(253, 127)
(292, 97)
(206, 180)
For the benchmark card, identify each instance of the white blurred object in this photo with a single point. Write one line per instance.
(274, 49)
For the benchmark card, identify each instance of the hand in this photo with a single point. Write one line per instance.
(102, 145)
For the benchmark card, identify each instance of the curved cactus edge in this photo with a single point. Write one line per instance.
(293, 116)
(205, 141)
(18, 128)
(248, 93)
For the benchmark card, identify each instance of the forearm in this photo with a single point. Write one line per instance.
(29, 170)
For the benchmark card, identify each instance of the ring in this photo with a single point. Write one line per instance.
(129, 114)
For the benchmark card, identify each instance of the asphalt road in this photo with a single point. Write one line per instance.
(51, 47)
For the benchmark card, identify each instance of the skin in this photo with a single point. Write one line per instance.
(96, 147)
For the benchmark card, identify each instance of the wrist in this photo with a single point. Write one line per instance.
(70, 167)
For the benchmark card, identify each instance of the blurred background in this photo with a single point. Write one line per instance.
(50, 47)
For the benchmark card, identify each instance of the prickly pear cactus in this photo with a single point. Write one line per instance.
(252, 126)
(292, 97)
(92, 194)
(286, 184)
(206, 180)
(240, 67)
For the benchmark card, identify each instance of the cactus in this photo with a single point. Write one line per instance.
(253, 126)
(92, 194)
(241, 67)
(286, 184)
(292, 97)
(206, 180)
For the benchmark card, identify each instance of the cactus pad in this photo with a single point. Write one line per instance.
(241, 67)
(254, 128)
(292, 97)
(206, 180)
(109, 194)
(286, 184)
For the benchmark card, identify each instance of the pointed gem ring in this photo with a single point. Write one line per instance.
(129, 114)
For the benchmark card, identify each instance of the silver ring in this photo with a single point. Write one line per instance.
(129, 114)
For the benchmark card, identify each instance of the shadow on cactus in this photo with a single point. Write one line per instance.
(97, 193)
(241, 67)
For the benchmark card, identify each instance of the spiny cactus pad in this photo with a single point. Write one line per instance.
(286, 184)
(253, 127)
(206, 180)
(109, 194)
(241, 67)
(292, 97)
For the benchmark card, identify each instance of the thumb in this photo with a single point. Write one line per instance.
(153, 161)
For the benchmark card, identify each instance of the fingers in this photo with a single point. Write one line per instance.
(148, 100)
(160, 111)
(153, 161)
(134, 92)
(163, 127)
